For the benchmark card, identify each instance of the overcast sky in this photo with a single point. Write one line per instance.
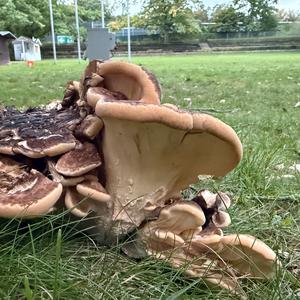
(285, 4)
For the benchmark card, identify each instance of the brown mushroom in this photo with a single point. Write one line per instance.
(132, 81)
(79, 161)
(25, 193)
(38, 132)
(65, 181)
(87, 197)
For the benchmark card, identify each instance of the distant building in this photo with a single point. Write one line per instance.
(5, 38)
(64, 39)
(27, 49)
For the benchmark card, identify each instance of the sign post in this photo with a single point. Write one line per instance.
(78, 32)
(128, 32)
(52, 30)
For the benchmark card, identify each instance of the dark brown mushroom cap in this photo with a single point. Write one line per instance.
(38, 132)
(79, 161)
(25, 193)
(65, 181)
(129, 79)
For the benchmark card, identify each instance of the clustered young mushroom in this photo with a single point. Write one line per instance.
(111, 151)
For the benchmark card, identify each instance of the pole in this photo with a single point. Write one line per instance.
(128, 32)
(52, 30)
(78, 33)
(102, 13)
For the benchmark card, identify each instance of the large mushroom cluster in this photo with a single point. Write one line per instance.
(111, 151)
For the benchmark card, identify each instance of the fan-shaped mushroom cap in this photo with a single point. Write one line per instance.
(65, 181)
(163, 151)
(79, 161)
(180, 217)
(249, 255)
(25, 194)
(95, 94)
(131, 80)
(38, 132)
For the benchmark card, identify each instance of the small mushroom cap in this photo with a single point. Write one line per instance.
(94, 190)
(221, 219)
(65, 181)
(25, 194)
(131, 80)
(205, 199)
(180, 217)
(79, 161)
(223, 201)
(79, 206)
(89, 127)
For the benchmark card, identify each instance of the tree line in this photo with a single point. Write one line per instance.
(172, 19)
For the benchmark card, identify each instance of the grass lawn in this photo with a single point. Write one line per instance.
(257, 95)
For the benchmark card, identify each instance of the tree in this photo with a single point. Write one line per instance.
(288, 15)
(261, 12)
(171, 18)
(31, 17)
(25, 17)
(227, 19)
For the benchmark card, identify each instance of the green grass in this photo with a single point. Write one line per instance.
(52, 258)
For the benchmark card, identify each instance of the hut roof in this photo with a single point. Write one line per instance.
(7, 34)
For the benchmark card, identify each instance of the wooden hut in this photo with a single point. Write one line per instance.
(5, 38)
(27, 49)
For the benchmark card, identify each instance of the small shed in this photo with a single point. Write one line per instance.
(5, 38)
(27, 49)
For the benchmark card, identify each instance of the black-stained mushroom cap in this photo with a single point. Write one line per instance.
(25, 193)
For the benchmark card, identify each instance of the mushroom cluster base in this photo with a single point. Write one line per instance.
(116, 158)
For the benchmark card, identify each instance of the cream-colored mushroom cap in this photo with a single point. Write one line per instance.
(249, 255)
(207, 145)
(152, 152)
(129, 79)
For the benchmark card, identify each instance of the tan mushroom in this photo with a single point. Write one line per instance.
(208, 254)
(65, 181)
(25, 193)
(88, 196)
(79, 161)
(146, 171)
(119, 78)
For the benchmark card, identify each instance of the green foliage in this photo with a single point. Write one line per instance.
(228, 19)
(171, 18)
(260, 14)
(25, 17)
(31, 17)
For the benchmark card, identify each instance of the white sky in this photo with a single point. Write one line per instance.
(285, 4)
